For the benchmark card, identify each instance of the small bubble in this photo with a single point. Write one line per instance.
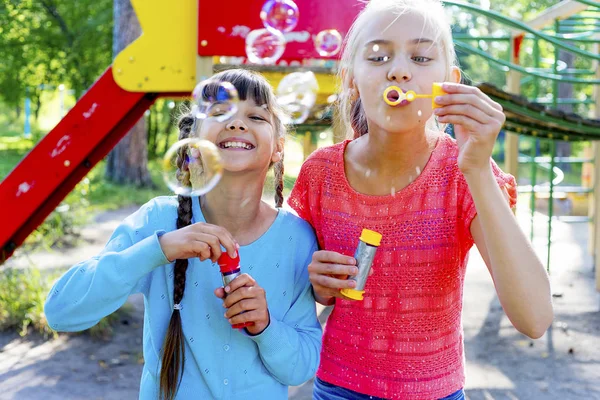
(203, 43)
(67, 163)
(368, 173)
(418, 171)
(419, 113)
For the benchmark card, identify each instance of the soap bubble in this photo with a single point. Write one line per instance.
(328, 43)
(296, 112)
(298, 87)
(280, 15)
(264, 46)
(215, 100)
(200, 167)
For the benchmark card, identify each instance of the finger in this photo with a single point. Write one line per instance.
(225, 238)
(202, 250)
(244, 306)
(332, 283)
(242, 280)
(213, 242)
(245, 292)
(324, 256)
(220, 292)
(332, 269)
(250, 316)
(326, 292)
(466, 99)
(466, 110)
(452, 88)
(462, 120)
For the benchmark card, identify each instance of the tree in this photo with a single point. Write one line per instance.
(49, 42)
(127, 163)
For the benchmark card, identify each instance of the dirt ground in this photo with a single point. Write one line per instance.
(501, 363)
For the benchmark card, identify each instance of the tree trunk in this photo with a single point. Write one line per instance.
(128, 162)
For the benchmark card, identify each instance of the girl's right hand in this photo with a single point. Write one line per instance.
(328, 273)
(200, 240)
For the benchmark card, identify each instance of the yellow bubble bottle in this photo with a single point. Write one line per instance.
(364, 255)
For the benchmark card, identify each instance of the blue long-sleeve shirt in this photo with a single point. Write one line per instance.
(221, 362)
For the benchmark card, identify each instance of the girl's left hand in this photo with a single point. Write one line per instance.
(477, 120)
(245, 301)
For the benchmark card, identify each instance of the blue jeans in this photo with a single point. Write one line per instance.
(326, 391)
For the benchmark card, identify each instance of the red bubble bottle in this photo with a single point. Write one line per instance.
(230, 269)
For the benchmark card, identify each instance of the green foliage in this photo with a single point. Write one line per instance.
(61, 227)
(49, 42)
(22, 296)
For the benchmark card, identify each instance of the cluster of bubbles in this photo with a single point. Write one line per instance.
(265, 46)
(193, 166)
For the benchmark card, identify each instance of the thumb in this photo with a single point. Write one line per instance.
(220, 293)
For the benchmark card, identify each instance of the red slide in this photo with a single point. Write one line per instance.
(64, 156)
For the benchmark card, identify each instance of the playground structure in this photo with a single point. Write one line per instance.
(183, 45)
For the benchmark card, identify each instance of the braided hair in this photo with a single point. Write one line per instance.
(249, 85)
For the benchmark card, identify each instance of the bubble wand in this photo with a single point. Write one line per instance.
(393, 91)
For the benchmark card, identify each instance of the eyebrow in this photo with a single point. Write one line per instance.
(416, 41)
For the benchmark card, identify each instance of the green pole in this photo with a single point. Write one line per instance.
(533, 183)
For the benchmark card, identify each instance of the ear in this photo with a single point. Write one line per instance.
(278, 150)
(348, 82)
(455, 74)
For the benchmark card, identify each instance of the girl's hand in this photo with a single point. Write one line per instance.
(477, 121)
(328, 273)
(198, 240)
(245, 302)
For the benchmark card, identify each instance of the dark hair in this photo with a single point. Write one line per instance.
(249, 85)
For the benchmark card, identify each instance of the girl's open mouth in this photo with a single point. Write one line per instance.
(235, 145)
(394, 96)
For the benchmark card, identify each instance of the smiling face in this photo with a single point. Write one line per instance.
(247, 141)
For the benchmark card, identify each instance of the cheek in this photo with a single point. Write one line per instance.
(208, 131)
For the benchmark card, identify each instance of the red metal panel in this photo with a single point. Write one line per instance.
(65, 155)
(222, 26)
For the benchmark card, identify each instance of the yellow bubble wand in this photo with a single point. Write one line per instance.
(436, 90)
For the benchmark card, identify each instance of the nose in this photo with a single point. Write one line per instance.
(237, 124)
(399, 71)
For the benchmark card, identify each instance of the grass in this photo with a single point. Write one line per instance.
(22, 296)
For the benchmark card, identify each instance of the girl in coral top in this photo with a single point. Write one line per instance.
(430, 196)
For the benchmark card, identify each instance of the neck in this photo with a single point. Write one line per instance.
(235, 204)
(397, 151)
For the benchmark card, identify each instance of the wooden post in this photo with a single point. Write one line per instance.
(204, 68)
(511, 143)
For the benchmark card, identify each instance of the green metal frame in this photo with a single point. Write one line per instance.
(576, 29)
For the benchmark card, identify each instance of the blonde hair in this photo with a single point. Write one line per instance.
(350, 114)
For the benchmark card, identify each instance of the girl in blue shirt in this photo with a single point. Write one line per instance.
(167, 250)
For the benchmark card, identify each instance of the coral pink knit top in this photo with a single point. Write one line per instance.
(405, 339)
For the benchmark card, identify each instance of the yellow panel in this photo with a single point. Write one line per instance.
(163, 58)
(327, 83)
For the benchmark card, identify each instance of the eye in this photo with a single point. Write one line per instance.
(421, 59)
(379, 58)
(257, 118)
